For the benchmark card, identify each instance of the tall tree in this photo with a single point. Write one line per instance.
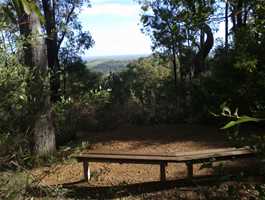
(28, 18)
(198, 14)
(63, 27)
(164, 28)
(173, 24)
(65, 39)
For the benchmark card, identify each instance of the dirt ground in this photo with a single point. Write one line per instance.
(132, 181)
(157, 139)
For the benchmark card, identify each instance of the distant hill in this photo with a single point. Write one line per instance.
(107, 64)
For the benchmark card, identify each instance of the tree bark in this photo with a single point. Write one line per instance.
(49, 7)
(174, 62)
(226, 26)
(44, 133)
(198, 61)
(35, 58)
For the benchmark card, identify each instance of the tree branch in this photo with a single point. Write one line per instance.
(66, 23)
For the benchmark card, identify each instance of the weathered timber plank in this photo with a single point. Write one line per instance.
(145, 159)
(166, 154)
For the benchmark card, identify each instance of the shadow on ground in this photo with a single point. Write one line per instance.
(144, 136)
(82, 189)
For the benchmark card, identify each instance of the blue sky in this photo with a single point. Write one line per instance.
(115, 27)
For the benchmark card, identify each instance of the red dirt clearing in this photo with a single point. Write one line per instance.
(157, 139)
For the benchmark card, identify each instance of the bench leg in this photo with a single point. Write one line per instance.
(86, 169)
(190, 170)
(163, 171)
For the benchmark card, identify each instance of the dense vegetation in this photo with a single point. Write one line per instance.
(48, 94)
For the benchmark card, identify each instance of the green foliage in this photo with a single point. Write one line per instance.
(15, 142)
(80, 79)
(66, 120)
(13, 96)
(29, 7)
(96, 110)
(97, 97)
(145, 91)
(89, 112)
(7, 182)
(240, 120)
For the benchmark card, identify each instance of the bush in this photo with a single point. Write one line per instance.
(91, 112)
(145, 92)
(13, 97)
(15, 142)
(95, 114)
(66, 117)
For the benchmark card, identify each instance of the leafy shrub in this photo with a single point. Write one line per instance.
(13, 97)
(66, 118)
(15, 141)
(95, 110)
(90, 112)
(80, 79)
(144, 91)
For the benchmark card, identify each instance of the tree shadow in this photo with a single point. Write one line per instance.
(84, 190)
(159, 135)
(80, 191)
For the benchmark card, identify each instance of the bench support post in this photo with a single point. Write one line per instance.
(86, 170)
(190, 169)
(163, 171)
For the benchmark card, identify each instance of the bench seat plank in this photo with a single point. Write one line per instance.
(193, 157)
(189, 158)
(168, 154)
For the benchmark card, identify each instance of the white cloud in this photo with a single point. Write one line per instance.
(112, 9)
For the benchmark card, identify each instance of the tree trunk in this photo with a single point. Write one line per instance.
(198, 61)
(226, 26)
(52, 48)
(174, 62)
(239, 13)
(44, 133)
(176, 79)
(35, 58)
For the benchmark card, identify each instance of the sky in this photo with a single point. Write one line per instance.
(115, 28)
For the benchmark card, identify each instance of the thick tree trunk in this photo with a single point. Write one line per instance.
(35, 58)
(44, 133)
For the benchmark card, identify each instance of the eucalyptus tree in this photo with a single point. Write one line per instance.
(66, 38)
(51, 34)
(27, 18)
(198, 15)
(176, 26)
(162, 22)
(64, 34)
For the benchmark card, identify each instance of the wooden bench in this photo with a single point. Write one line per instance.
(189, 158)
